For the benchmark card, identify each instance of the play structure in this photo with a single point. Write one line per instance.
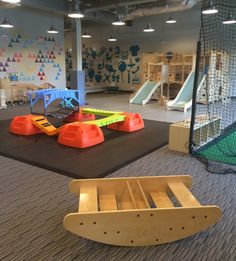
(145, 93)
(83, 130)
(51, 95)
(163, 75)
(138, 211)
(183, 100)
(216, 60)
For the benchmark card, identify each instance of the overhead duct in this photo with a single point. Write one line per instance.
(173, 6)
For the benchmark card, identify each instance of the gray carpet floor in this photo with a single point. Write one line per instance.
(34, 202)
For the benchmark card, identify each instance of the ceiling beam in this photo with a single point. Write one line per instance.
(110, 6)
(47, 5)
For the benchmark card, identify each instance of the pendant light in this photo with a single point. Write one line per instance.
(229, 19)
(112, 39)
(6, 24)
(209, 8)
(148, 29)
(76, 13)
(52, 29)
(86, 35)
(118, 21)
(12, 1)
(170, 20)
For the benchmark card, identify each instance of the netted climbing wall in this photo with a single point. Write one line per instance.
(213, 130)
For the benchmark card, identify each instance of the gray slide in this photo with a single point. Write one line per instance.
(145, 93)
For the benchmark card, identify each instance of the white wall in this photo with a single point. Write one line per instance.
(32, 27)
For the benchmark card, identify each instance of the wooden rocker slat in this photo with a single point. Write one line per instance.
(161, 199)
(183, 195)
(107, 202)
(88, 199)
(131, 194)
(143, 194)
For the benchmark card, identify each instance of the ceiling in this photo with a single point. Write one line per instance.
(105, 11)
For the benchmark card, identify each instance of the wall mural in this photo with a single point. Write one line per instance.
(109, 66)
(39, 59)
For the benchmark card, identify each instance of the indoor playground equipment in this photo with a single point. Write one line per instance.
(164, 77)
(145, 92)
(183, 100)
(48, 96)
(150, 86)
(217, 59)
(138, 211)
(83, 130)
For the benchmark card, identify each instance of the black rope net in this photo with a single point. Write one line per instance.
(214, 107)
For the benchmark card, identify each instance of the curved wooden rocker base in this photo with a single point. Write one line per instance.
(138, 211)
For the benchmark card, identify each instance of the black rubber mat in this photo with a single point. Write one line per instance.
(118, 150)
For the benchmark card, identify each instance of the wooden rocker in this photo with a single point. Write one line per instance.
(138, 211)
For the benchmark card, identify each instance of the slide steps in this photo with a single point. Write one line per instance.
(138, 211)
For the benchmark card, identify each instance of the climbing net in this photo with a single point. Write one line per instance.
(213, 129)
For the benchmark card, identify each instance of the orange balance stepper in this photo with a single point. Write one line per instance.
(22, 125)
(132, 122)
(79, 116)
(80, 135)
